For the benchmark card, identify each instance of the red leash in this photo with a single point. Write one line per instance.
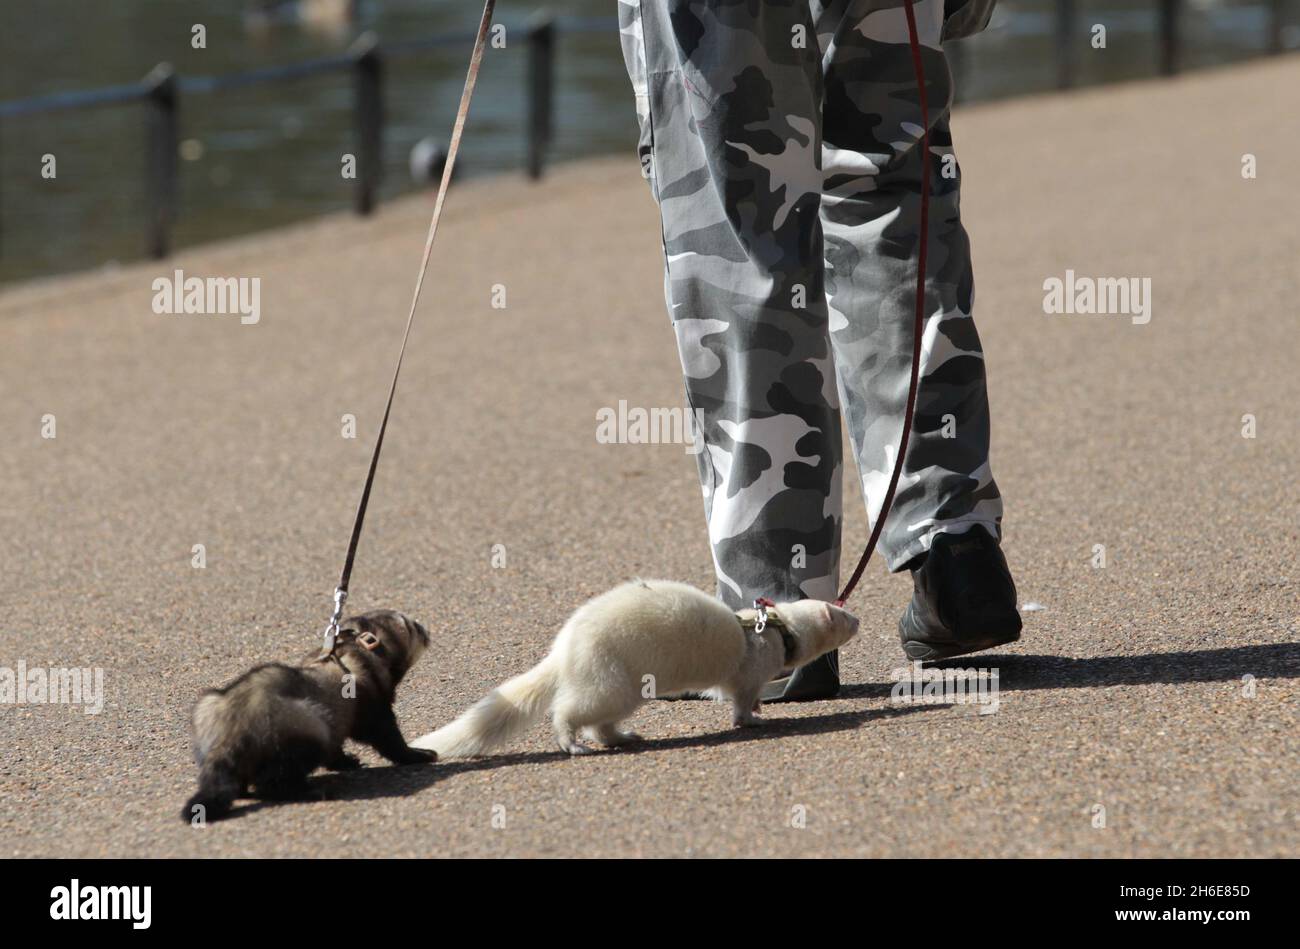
(919, 326)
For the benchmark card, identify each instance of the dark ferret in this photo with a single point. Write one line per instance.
(275, 724)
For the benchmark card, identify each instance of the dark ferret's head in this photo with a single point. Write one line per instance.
(393, 638)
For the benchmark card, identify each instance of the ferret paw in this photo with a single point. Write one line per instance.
(419, 756)
(747, 720)
(345, 762)
(576, 748)
(611, 737)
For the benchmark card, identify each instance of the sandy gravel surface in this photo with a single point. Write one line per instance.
(1128, 692)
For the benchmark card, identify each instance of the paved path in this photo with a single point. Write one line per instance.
(1129, 690)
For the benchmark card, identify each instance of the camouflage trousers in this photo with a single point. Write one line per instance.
(781, 142)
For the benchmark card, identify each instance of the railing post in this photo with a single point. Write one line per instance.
(541, 78)
(162, 129)
(1170, 13)
(2, 230)
(368, 120)
(1276, 16)
(1066, 55)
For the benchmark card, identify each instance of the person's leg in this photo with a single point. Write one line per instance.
(870, 212)
(729, 141)
(729, 95)
(874, 173)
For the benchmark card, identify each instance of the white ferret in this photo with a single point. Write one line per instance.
(639, 640)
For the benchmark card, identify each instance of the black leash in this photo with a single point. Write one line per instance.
(341, 591)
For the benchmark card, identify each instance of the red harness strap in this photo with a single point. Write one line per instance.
(919, 325)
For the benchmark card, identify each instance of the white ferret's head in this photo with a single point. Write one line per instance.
(816, 627)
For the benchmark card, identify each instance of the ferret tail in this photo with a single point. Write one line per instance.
(500, 715)
(218, 788)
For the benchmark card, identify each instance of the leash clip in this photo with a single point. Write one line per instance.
(332, 630)
(760, 611)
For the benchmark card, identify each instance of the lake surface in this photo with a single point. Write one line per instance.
(264, 155)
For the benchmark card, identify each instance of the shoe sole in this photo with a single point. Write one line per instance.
(815, 682)
(775, 692)
(927, 652)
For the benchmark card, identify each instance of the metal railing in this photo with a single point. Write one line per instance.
(161, 92)
(1169, 16)
(162, 89)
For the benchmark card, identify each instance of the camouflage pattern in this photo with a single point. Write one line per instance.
(780, 142)
(964, 18)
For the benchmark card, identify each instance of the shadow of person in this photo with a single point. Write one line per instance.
(1018, 673)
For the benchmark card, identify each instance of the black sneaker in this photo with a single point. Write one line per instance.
(965, 599)
(820, 679)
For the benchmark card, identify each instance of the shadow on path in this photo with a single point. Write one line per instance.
(1016, 673)
(1022, 673)
(399, 781)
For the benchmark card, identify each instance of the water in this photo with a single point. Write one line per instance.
(265, 155)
